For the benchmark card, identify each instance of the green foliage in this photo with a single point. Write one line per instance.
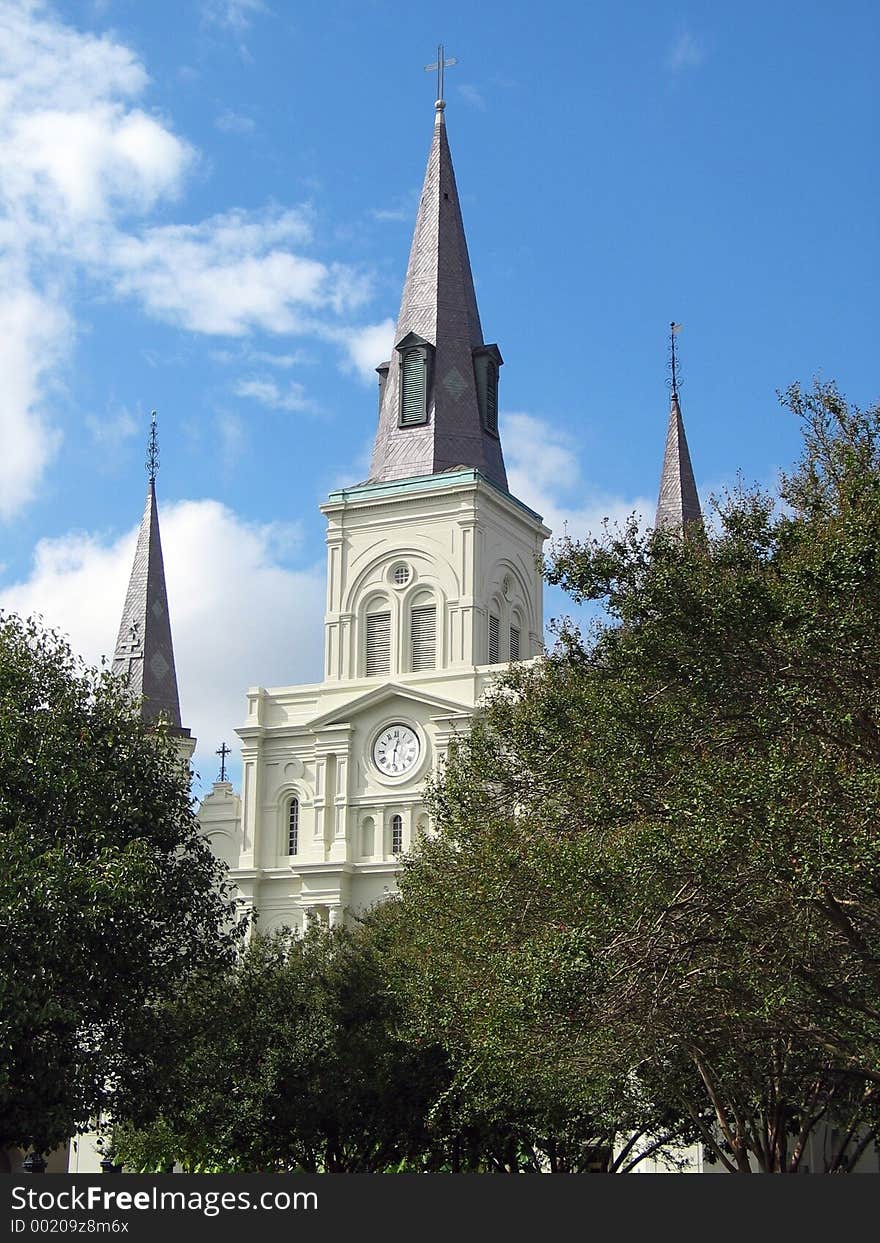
(109, 896)
(291, 1061)
(303, 1058)
(655, 895)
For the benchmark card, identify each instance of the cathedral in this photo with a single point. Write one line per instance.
(433, 586)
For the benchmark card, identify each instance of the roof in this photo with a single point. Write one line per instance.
(144, 650)
(678, 502)
(439, 308)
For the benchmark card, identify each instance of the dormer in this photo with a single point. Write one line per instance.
(415, 360)
(382, 372)
(487, 361)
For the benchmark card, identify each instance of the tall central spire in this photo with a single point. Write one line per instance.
(438, 404)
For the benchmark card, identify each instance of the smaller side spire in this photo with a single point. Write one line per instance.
(678, 503)
(144, 651)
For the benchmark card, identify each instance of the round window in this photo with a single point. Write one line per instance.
(400, 574)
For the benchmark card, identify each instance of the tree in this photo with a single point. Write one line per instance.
(109, 895)
(291, 1060)
(657, 877)
(303, 1058)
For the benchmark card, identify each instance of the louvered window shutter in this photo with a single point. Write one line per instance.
(494, 632)
(413, 386)
(514, 643)
(424, 637)
(378, 644)
(293, 827)
(492, 397)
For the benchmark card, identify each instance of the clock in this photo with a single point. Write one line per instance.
(396, 750)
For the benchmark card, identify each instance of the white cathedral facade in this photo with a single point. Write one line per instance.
(433, 584)
(433, 581)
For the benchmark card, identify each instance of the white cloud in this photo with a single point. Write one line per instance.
(687, 52)
(269, 393)
(232, 438)
(246, 354)
(229, 122)
(298, 358)
(368, 347)
(113, 430)
(234, 15)
(403, 211)
(543, 471)
(72, 143)
(74, 153)
(76, 165)
(44, 59)
(35, 334)
(226, 637)
(112, 433)
(231, 274)
(396, 214)
(234, 274)
(81, 164)
(471, 95)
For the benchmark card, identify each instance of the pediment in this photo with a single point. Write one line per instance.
(381, 694)
(410, 341)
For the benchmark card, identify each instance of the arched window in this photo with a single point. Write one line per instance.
(367, 830)
(378, 643)
(397, 835)
(514, 642)
(293, 827)
(494, 639)
(423, 633)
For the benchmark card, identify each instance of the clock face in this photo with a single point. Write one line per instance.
(396, 750)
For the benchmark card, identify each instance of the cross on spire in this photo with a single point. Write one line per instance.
(439, 65)
(223, 751)
(131, 648)
(152, 450)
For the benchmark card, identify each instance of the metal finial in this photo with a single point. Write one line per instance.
(439, 65)
(222, 751)
(674, 330)
(152, 449)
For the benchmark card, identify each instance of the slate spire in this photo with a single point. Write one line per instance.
(678, 503)
(144, 652)
(445, 416)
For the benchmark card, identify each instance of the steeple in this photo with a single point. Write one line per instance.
(438, 404)
(678, 503)
(144, 652)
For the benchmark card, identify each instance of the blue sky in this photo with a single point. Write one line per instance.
(206, 208)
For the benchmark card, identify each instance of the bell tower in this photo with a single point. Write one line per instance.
(433, 586)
